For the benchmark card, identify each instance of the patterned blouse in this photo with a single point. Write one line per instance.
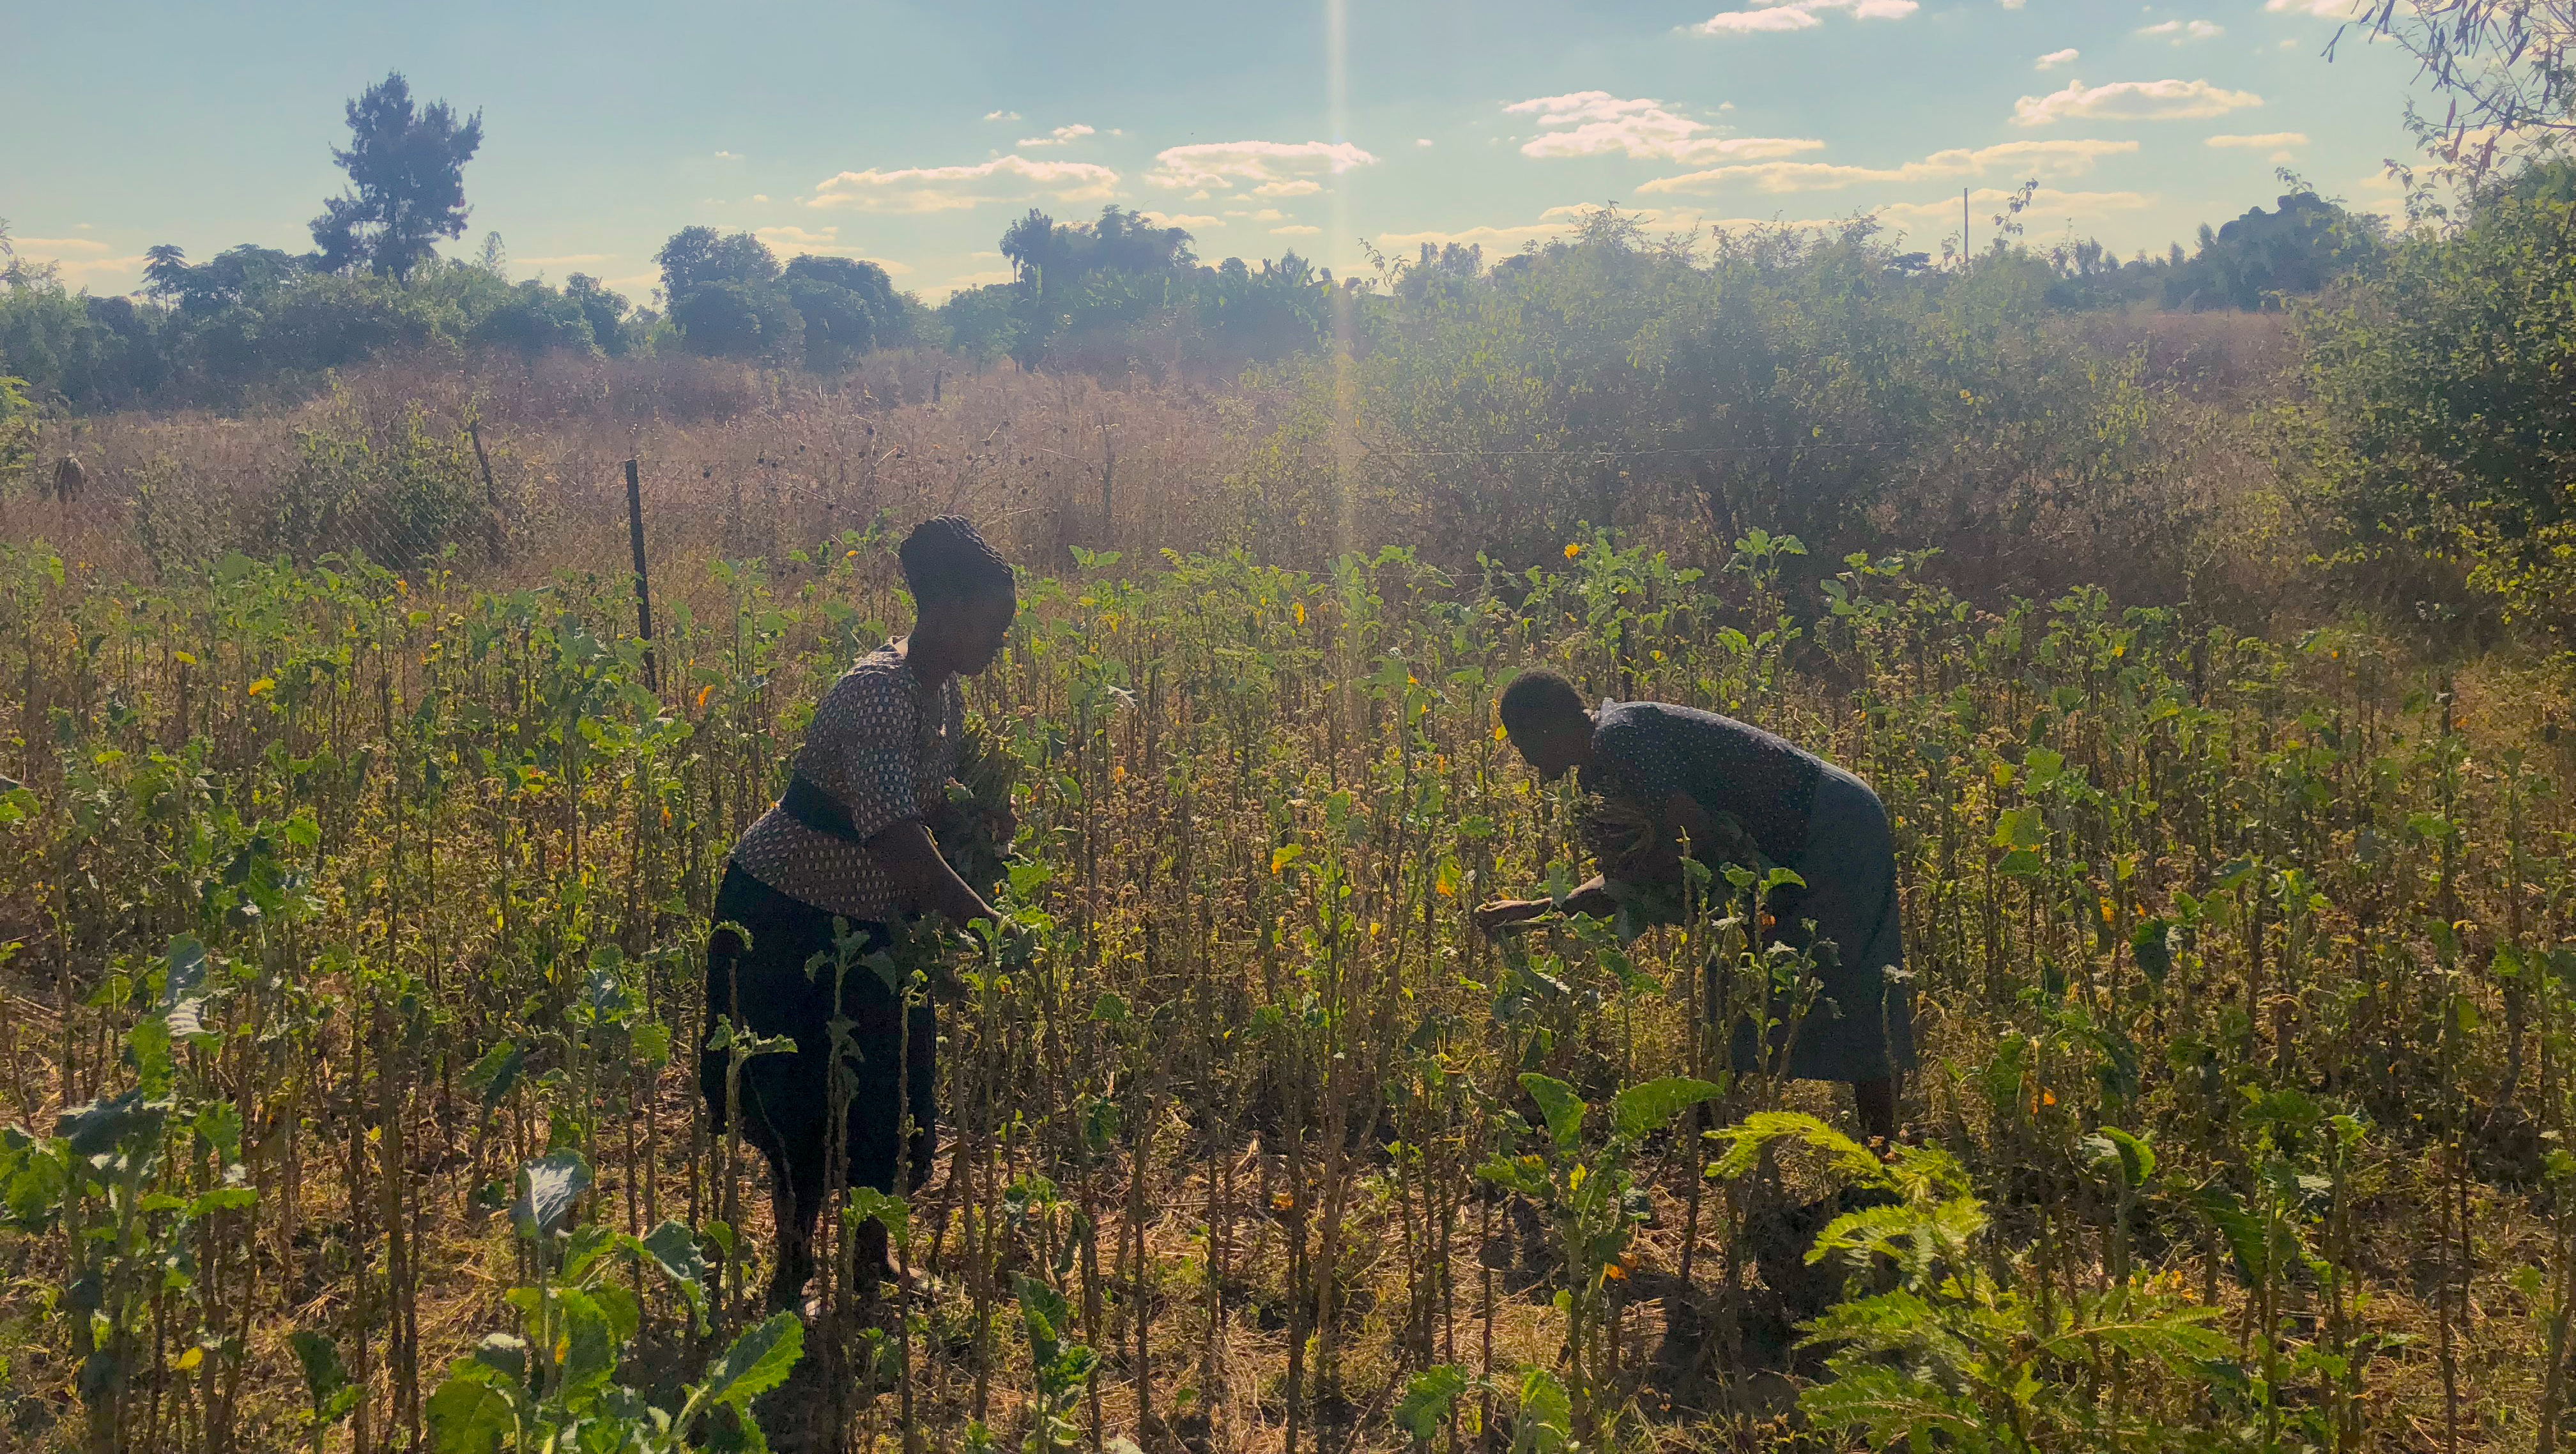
(882, 749)
(1644, 752)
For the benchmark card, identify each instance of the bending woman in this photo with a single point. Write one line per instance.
(1680, 769)
(848, 840)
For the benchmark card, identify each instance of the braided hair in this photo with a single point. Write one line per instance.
(947, 559)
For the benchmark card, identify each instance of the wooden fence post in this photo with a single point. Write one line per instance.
(643, 583)
(492, 534)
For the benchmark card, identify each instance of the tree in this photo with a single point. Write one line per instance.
(226, 280)
(2440, 385)
(406, 169)
(848, 307)
(605, 307)
(698, 257)
(2251, 262)
(2508, 67)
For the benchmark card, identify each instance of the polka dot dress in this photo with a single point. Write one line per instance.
(884, 750)
(1644, 752)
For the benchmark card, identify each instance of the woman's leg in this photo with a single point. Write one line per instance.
(1875, 1101)
(762, 987)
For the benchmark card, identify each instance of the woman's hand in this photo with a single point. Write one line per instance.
(912, 860)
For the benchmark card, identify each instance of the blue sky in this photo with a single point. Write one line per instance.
(912, 134)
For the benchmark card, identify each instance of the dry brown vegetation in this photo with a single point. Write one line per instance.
(2287, 907)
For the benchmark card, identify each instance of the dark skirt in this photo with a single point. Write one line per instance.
(1861, 1026)
(787, 1099)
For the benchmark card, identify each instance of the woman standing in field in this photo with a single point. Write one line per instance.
(1721, 782)
(849, 841)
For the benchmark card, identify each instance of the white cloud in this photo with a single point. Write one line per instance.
(2167, 100)
(1495, 239)
(1221, 164)
(2056, 58)
(2184, 32)
(823, 242)
(1295, 229)
(2029, 158)
(1178, 219)
(1780, 15)
(2327, 9)
(728, 156)
(2261, 140)
(760, 196)
(977, 280)
(1012, 178)
(567, 260)
(80, 271)
(1596, 123)
(1422, 141)
(2046, 205)
(60, 244)
(1061, 136)
(1300, 187)
(1562, 223)
(1589, 123)
(1003, 116)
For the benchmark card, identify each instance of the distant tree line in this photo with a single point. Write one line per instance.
(1120, 292)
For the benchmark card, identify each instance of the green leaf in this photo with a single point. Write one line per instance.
(1558, 1103)
(2133, 1158)
(1642, 1109)
(2152, 945)
(319, 1356)
(590, 1342)
(548, 1188)
(1427, 1400)
(471, 1413)
(1546, 1422)
(97, 1128)
(757, 1362)
(674, 1249)
(2240, 1227)
(2022, 827)
(495, 1073)
(1044, 1313)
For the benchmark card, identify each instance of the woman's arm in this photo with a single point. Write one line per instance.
(912, 860)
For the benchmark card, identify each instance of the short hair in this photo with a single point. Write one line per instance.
(1537, 698)
(947, 559)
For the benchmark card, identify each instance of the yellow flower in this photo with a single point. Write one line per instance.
(264, 684)
(1499, 733)
(703, 693)
(1301, 613)
(1573, 549)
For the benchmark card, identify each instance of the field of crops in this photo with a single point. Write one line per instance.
(351, 930)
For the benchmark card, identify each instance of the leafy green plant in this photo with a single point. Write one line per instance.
(1971, 1350)
(1593, 1205)
(554, 1384)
